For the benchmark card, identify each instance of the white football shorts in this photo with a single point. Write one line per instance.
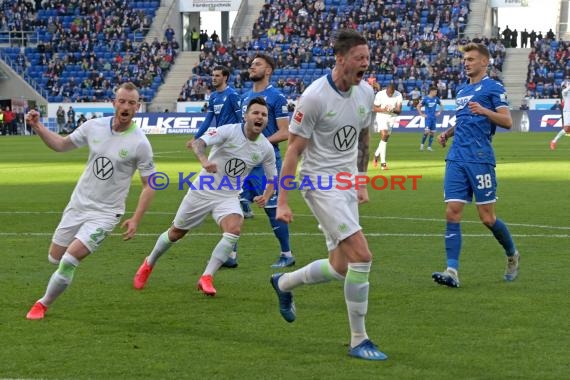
(336, 211)
(384, 122)
(90, 227)
(196, 205)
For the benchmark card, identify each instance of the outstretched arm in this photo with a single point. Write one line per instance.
(51, 139)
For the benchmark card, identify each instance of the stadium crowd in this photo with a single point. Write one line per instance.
(87, 48)
(548, 68)
(414, 44)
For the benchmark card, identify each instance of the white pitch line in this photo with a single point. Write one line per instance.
(311, 216)
(368, 234)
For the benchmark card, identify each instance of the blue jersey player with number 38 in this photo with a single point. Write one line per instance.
(470, 163)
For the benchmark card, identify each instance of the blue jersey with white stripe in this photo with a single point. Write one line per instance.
(473, 133)
(223, 108)
(277, 105)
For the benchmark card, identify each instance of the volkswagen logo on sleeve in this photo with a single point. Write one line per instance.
(103, 168)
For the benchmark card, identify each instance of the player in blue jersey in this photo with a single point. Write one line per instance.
(430, 105)
(260, 72)
(224, 105)
(470, 167)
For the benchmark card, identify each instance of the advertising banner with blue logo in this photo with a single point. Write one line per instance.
(408, 121)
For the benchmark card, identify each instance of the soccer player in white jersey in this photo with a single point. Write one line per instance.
(117, 148)
(330, 130)
(237, 148)
(565, 116)
(387, 105)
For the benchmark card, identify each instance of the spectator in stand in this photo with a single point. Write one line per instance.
(60, 119)
(71, 117)
(524, 38)
(169, 34)
(9, 124)
(507, 36)
(532, 36)
(514, 38)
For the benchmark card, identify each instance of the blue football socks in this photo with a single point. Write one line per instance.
(503, 236)
(453, 244)
(280, 229)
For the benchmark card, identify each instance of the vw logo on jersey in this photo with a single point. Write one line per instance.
(103, 168)
(235, 167)
(345, 138)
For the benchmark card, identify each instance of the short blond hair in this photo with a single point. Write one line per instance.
(482, 49)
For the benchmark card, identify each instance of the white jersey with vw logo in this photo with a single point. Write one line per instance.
(235, 155)
(113, 159)
(332, 122)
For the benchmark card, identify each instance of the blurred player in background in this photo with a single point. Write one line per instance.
(387, 105)
(430, 105)
(224, 104)
(117, 148)
(565, 115)
(470, 163)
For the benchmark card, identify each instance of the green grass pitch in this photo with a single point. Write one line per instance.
(103, 329)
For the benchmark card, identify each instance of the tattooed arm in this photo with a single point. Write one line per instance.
(362, 162)
(199, 148)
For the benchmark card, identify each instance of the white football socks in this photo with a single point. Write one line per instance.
(60, 279)
(162, 245)
(356, 287)
(221, 253)
(559, 135)
(313, 273)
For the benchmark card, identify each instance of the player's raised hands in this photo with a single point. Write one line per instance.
(33, 119)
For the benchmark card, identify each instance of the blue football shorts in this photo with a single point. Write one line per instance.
(430, 124)
(463, 180)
